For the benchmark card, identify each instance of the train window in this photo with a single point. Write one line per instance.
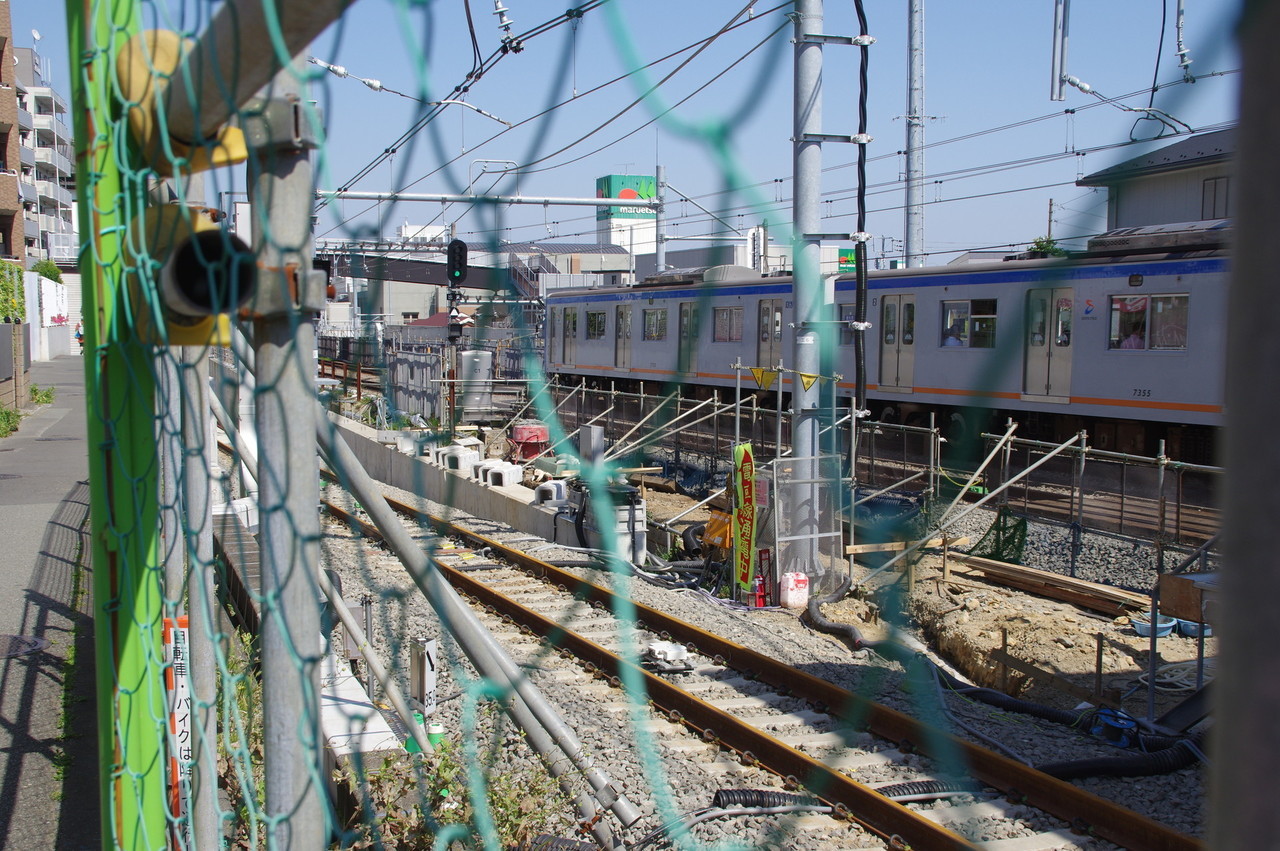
(848, 313)
(570, 323)
(1062, 323)
(596, 323)
(655, 324)
(969, 323)
(1156, 322)
(1168, 322)
(555, 322)
(908, 323)
(890, 323)
(728, 324)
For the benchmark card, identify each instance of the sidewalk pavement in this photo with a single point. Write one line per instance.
(48, 780)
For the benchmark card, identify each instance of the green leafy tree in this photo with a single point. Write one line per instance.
(1048, 246)
(48, 269)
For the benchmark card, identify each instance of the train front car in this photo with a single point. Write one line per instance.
(1126, 346)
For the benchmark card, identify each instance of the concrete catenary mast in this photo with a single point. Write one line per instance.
(914, 225)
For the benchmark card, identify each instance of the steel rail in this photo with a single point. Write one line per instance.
(879, 814)
(1084, 811)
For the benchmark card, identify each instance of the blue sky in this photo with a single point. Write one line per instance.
(986, 67)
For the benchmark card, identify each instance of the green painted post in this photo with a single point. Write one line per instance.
(128, 601)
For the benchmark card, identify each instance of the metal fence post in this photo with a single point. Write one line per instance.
(123, 487)
(201, 603)
(281, 190)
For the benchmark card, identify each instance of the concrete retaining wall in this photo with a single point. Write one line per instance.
(510, 505)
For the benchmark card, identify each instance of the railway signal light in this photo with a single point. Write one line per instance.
(456, 261)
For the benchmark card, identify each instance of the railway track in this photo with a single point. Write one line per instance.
(784, 725)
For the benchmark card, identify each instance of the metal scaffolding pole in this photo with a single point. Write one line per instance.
(547, 732)
(288, 484)
(660, 221)
(205, 827)
(236, 56)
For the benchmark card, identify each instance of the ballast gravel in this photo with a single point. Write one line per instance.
(1176, 800)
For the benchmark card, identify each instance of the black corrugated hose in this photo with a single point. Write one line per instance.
(928, 790)
(727, 798)
(1165, 761)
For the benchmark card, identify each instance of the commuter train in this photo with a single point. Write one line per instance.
(1126, 341)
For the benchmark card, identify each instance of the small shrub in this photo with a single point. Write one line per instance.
(9, 419)
(42, 395)
(48, 269)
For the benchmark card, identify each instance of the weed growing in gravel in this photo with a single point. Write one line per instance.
(241, 754)
(42, 395)
(420, 800)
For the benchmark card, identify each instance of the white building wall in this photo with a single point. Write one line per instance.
(1164, 198)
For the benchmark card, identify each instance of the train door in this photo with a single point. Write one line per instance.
(897, 342)
(569, 339)
(688, 336)
(769, 333)
(622, 337)
(553, 338)
(1047, 376)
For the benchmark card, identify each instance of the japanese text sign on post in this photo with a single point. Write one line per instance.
(744, 514)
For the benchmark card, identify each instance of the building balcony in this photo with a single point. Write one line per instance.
(48, 99)
(27, 156)
(31, 227)
(54, 224)
(28, 191)
(24, 119)
(51, 124)
(53, 192)
(51, 157)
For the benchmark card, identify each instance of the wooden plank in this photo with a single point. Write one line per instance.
(895, 546)
(1062, 684)
(1048, 579)
(1181, 596)
(1075, 598)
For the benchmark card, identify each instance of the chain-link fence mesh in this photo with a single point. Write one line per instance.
(222, 668)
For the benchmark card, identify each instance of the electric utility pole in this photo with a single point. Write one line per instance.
(806, 251)
(914, 228)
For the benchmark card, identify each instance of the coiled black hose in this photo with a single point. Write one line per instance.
(819, 621)
(1000, 700)
(732, 798)
(919, 790)
(1165, 761)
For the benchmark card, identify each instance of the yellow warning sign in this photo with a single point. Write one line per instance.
(807, 380)
(764, 377)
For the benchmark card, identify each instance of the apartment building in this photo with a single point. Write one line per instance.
(47, 177)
